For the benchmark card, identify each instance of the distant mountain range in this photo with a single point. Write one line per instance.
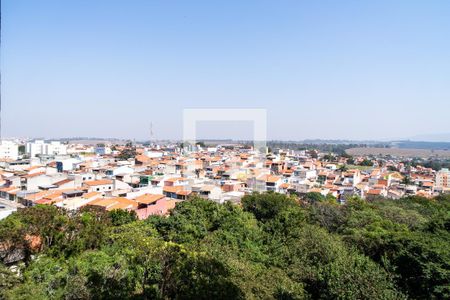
(439, 137)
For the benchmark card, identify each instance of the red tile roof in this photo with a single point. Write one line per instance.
(98, 182)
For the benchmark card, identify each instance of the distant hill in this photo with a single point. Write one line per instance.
(440, 137)
(421, 145)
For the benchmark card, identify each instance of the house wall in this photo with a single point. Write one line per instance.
(101, 188)
(215, 193)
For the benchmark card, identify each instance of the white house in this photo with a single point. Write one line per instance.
(305, 173)
(122, 170)
(101, 185)
(69, 164)
(102, 150)
(32, 182)
(153, 154)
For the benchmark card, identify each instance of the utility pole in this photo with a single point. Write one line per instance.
(151, 134)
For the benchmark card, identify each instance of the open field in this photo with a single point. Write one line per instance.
(361, 168)
(423, 153)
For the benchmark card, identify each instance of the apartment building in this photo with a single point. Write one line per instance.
(9, 150)
(39, 147)
(443, 179)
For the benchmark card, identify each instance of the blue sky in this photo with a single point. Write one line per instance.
(322, 69)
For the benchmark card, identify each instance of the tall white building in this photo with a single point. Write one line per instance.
(55, 148)
(9, 150)
(39, 147)
(35, 148)
(443, 178)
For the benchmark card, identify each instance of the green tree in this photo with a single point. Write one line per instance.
(366, 162)
(8, 280)
(313, 197)
(267, 205)
(128, 152)
(273, 247)
(121, 217)
(193, 275)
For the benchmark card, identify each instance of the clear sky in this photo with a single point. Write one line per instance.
(322, 69)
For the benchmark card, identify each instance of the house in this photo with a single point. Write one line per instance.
(36, 169)
(376, 192)
(78, 202)
(142, 159)
(208, 191)
(65, 184)
(161, 207)
(273, 183)
(110, 204)
(9, 193)
(102, 149)
(148, 199)
(176, 181)
(352, 177)
(49, 196)
(91, 196)
(395, 194)
(101, 185)
(284, 187)
(302, 187)
(32, 182)
(276, 167)
(80, 177)
(151, 204)
(120, 171)
(16, 165)
(232, 186)
(176, 192)
(322, 177)
(68, 164)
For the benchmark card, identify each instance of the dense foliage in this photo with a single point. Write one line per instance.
(434, 163)
(323, 146)
(273, 247)
(128, 152)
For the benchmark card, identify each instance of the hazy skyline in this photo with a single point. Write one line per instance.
(322, 69)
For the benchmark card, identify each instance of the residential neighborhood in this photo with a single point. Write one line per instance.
(152, 179)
